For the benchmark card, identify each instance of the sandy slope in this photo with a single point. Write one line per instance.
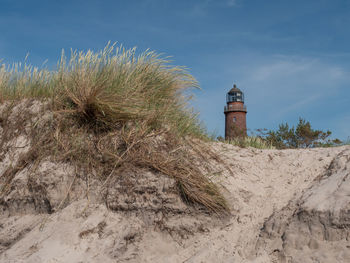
(286, 206)
(315, 227)
(263, 182)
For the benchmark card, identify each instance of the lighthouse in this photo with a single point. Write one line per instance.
(235, 114)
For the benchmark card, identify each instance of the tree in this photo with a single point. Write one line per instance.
(303, 136)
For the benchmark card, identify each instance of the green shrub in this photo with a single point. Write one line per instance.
(302, 136)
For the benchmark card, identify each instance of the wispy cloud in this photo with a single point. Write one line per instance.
(297, 104)
(288, 78)
(231, 2)
(202, 7)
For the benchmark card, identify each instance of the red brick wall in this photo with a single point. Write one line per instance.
(237, 128)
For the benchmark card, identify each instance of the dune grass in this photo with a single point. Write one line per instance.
(111, 86)
(115, 108)
(251, 141)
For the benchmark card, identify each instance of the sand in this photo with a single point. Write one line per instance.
(286, 206)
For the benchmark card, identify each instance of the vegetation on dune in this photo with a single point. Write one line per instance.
(347, 141)
(301, 136)
(249, 141)
(113, 109)
(111, 86)
(286, 137)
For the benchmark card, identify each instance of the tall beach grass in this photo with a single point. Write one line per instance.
(251, 141)
(134, 107)
(111, 86)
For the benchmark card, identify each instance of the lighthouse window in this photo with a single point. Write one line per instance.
(234, 119)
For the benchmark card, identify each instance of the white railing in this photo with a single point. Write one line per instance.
(235, 108)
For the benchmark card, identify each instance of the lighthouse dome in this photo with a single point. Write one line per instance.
(235, 95)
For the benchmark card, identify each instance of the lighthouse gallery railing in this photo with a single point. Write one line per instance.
(235, 108)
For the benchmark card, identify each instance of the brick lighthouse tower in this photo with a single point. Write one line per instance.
(235, 114)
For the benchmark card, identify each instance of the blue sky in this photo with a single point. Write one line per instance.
(290, 58)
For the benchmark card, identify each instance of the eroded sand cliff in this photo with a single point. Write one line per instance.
(286, 206)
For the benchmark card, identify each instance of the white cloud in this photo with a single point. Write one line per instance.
(202, 7)
(283, 88)
(298, 104)
(277, 66)
(294, 78)
(231, 2)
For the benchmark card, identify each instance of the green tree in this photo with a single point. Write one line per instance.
(303, 136)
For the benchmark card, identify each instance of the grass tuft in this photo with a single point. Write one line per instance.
(116, 108)
(251, 141)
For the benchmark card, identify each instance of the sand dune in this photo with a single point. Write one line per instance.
(286, 206)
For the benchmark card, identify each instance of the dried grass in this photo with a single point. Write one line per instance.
(251, 141)
(114, 109)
